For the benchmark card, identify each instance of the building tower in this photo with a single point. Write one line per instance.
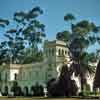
(56, 53)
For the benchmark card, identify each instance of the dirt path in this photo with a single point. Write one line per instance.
(38, 98)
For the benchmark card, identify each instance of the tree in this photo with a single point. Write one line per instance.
(16, 89)
(69, 17)
(65, 35)
(83, 34)
(4, 22)
(3, 46)
(64, 85)
(15, 44)
(85, 37)
(27, 32)
(32, 30)
(29, 57)
(97, 79)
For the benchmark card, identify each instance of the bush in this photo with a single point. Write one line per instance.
(37, 90)
(5, 91)
(63, 86)
(26, 92)
(16, 89)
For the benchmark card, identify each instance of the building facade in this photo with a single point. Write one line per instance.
(55, 54)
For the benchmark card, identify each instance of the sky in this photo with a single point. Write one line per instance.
(54, 11)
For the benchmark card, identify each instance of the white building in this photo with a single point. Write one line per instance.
(55, 53)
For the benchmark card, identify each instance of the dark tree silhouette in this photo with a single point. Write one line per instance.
(5, 91)
(63, 86)
(97, 77)
(80, 37)
(16, 89)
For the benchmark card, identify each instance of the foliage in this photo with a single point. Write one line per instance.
(83, 34)
(16, 89)
(32, 29)
(96, 79)
(37, 90)
(65, 35)
(69, 17)
(3, 22)
(26, 33)
(64, 85)
(5, 91)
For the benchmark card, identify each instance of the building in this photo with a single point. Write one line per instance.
(55, 54)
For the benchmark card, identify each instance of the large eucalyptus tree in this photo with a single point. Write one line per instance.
(79, 38)
(3, 44)
(24, 34)
(32, 31)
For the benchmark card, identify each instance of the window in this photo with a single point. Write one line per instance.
(46, 51)
(49, 52)
(59, 52)
(15, 76)
(37, 73)
(65, 52)
(62, 52)
(52, 52)
(24, 75)
(6, 76)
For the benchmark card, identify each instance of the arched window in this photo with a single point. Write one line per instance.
(69, 53)
(65, 52)
(59, 52)
(62, 52)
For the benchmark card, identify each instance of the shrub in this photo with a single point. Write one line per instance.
(16, 89)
